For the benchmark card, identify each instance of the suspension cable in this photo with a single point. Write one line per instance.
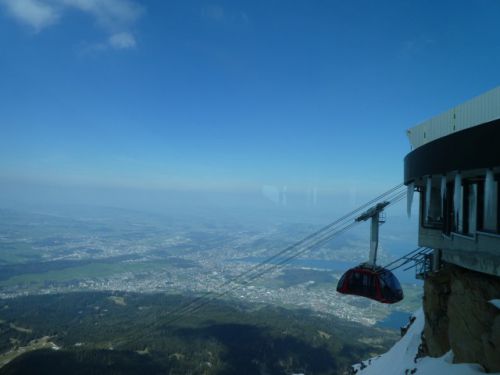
(314, 240)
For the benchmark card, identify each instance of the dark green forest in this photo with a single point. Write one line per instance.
(125, 333)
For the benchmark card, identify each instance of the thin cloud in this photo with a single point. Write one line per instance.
(218, 14)
(214, 13)
(416, 46)
(34, 13)
(115, 17)
(109, 14)
(122, 40)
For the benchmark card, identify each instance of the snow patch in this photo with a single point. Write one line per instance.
(402, 358)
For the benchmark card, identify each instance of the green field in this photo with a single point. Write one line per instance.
(94, 270)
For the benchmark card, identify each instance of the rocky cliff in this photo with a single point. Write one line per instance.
(460, 317)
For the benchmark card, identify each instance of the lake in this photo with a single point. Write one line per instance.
(407, 277)
(394, 320)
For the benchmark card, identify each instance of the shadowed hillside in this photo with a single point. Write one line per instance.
(132, 333)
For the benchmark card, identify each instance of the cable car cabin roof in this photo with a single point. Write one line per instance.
(377, 283)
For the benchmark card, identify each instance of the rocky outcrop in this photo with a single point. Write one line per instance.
(474, 336)
(436, 295)
(459, 316)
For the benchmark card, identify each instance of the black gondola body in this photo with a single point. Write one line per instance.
(376, 283)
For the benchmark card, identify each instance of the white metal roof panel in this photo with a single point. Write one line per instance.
(481, 109)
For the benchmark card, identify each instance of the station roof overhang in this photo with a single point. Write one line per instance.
(473, 148)
(480, 110)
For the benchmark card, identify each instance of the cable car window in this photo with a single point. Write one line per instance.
(356, 282)
(342, 279)
(369, 285)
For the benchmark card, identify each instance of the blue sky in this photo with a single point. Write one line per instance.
(231, 95)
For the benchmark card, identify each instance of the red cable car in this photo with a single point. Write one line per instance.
(376, 283)
(369, 280)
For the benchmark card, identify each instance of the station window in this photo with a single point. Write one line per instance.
(448, 209)
(458, 213)
(478, 207)
(432, 212)
(490, 217)
(469, 210)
